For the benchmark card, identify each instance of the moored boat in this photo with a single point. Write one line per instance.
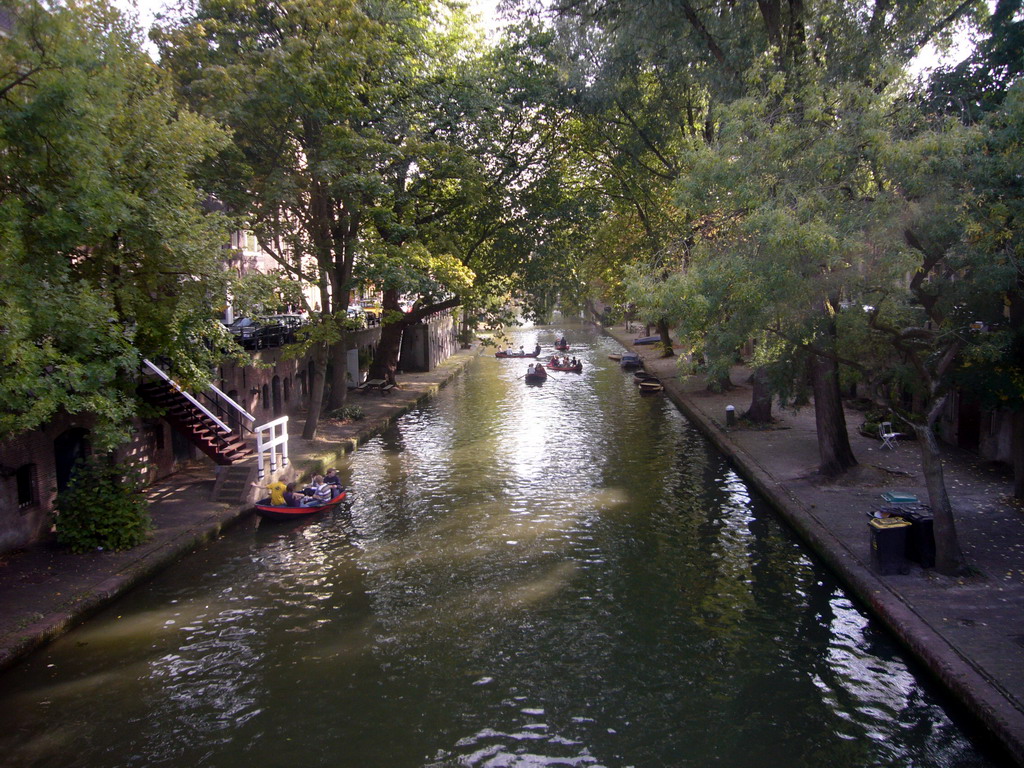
(650, 386)
(270, 512)
(630, 361)
(647, 340)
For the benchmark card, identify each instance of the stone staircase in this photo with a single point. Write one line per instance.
(234, 484)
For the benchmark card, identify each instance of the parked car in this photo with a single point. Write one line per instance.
(244, 330)
(266, 331)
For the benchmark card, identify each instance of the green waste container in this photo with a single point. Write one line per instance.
(889, 544)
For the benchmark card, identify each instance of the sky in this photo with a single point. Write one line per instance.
(147, 10)
(928, 59)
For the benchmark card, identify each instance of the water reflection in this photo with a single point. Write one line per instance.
(526, 576)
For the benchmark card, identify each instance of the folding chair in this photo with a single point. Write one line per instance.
(889, 437)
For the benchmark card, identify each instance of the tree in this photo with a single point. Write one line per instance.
(985, 89)
(781, 80)
(106, 250)
(312, 92)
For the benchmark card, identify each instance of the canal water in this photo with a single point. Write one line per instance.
(556, 575)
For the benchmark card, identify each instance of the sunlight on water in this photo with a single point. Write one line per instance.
(553, 575)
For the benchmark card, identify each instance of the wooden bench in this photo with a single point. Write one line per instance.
(386, 388)
(369, 384)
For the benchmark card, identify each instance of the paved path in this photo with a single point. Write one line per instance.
(969, 632)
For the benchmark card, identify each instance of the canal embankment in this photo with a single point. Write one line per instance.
(45, 590)
(968, 632)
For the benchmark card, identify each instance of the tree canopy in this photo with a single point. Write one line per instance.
(107, 251)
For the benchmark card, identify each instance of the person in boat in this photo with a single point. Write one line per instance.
(277, 490)
(332, 479)
(317, 492)
(536, 350)
(291, 498)
(521, 352)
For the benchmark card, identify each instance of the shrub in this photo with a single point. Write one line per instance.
(346, 413)
(102, 507)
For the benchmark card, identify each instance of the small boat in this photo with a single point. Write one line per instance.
(535, 353)
(268, 511)
(630, 361)
(534, 377)
(614, 357)
(578, 368)
(562, 345)
(640, 376)
(650, 386)
(647, 340)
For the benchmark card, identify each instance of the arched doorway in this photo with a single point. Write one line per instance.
(275, 388)
(68, 447)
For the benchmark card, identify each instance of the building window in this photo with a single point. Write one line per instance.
(28, 492)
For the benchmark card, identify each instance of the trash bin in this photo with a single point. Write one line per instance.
(889, 544)
(921, 536)
(898, 497)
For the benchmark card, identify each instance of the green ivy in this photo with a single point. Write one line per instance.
(102, 508)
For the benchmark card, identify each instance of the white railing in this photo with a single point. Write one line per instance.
(224, 427)
(232, 404)
(268, 438)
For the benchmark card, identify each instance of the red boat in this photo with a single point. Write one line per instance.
(538, 376)
(562, 345)
(267, 510)
(578, 368)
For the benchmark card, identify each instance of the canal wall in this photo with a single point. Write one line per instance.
(966, 631)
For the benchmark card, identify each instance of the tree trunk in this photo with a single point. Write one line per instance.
(1017, 443)
(949, 559)
(666, 340)
(464, 335)
(833, 439)
(760, 411)
(385, 362)
(389, 347)
(339, 374)
(316, 393)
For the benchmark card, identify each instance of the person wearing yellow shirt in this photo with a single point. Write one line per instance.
(277, 489)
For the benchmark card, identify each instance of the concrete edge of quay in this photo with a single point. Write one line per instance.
(136, 566)
(979, 695)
